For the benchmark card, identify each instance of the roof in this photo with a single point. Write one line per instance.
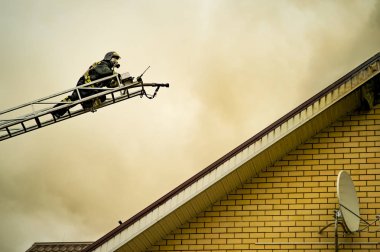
(245, 161)
(58, 246)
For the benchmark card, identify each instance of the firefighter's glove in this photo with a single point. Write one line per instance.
(128, 80)
(139, 79)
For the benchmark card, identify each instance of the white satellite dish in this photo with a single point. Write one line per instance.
(348, 201)
(348, 214)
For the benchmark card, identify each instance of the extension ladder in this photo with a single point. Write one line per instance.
(37, 114)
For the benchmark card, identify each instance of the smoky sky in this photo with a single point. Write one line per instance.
(234, 67)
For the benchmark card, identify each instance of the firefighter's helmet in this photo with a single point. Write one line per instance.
(111, 55)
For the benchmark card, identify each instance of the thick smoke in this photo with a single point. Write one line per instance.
(234, 68)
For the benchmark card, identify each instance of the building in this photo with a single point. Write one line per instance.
(277, 190)
(58, 246)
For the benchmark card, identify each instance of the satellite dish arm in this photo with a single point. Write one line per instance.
(366, 222)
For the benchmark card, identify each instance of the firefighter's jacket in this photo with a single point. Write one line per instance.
(96, 71)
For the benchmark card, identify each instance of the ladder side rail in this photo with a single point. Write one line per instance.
(112, 90)
(57, 94)
(106, 91)
(36, 113)
(41, 101)
(17, 132)
(45, 111)
(108, 102)
(121, 98)
(50, 110)
(155, 85)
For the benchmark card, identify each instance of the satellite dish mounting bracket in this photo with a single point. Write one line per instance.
(337, 221)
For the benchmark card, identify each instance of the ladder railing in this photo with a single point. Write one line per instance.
(38, 113)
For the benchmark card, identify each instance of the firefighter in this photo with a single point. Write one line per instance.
(96, 71)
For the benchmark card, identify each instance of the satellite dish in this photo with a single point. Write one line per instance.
(348, 214)
(348, 201)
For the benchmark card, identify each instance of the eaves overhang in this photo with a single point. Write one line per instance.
(245, 161)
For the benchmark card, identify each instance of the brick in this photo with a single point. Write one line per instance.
(304, 167)
(181, 247)
(242, 235)
(327, 162)
(189, 242)
(366, 122)
(335, 145)
(367, 177)
(351, 155)
(373, 138)
(373, 149)
(166, 248)
(342, 150)
(320, 146)
(342, 161)
(373, 160)
(297, 162)
(367, 133)
(311, 151)
(224, 247)
(370, 170)
(366, 144)
(357, 128)
(231, 197)
(319, 178)
(373, 127)
(211, 214)
(202, 231)
(311, 162)
(335, 156)
(342, 139)
(231, 223)
(350, 133)
(303, 157)
(211, 247)
(327, 151)
(218, 230)
(320, 156)
(241, 247)
(373, 194)
(211, 236)
(311, 184)
(219, 241)
(228, 202)
(351, 144)
(197, 224)
(204, 241)
(367, 155)
(181, 236)
(173, 242)
(335, 134)
(195, 247)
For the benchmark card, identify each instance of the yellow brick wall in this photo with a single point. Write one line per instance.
(292, 200)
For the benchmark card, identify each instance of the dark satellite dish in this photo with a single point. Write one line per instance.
(348, 201)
